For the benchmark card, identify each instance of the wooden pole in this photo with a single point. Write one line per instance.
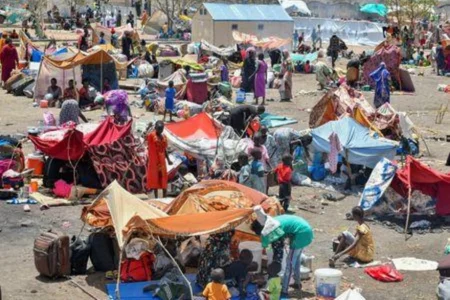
(408, 213)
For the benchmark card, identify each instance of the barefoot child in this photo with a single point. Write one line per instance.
(170, 99)
(217, 290)
(284, 176)
(359, 246)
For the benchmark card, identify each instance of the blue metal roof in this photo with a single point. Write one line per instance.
(247, 12)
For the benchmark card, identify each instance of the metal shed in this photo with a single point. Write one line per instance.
(215, 22)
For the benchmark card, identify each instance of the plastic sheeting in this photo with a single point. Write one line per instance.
(296, 6)
(358, 145)
(351, 32)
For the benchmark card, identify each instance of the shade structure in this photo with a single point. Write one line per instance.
(359, 147)
(375, 8)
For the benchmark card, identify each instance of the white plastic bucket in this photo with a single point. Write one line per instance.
(327, 283)
(249, 97)
(256, 249)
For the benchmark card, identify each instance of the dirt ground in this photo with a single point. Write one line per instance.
(19, 278)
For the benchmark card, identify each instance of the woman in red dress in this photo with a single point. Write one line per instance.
(157, 155)
(9, 59)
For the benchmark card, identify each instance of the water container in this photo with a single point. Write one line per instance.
(240, 96)
(327, 283)
(249, 97)
(35, 162)
(256, 249)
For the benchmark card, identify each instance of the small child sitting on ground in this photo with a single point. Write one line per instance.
(216, 290)
(273, 290)
(284, 176)
(237, 273)
(359, 246)
(307, 67)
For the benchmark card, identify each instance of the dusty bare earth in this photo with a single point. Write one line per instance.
(19, 279)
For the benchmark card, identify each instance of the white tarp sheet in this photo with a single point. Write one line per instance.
(351, 32)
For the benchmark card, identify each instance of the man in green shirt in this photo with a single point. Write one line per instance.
(300, 235)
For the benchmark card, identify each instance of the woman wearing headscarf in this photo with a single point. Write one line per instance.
(248, 71)
(70, 112)
(260, 79)
(9, 59)
(286, 69)
(381, 76)
(324, 74)
(440, 60)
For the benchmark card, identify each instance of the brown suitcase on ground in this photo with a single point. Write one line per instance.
(51, 254)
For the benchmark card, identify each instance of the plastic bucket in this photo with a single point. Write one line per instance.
(327, 283)
(22, 64)
(35, 162)
(43, 104)
(256, 249)
(249, 97)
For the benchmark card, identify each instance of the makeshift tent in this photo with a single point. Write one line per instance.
(115, 207)
(271, 42)
(391, 56)
(416, 176)
(197, 135)
(47, 71)
(95, 67)
(127, 214)
(220, 195)
(345, 101)
(296, 6)
(358, 146)
(112, 148)
(155, 22)
(341, 102)
(212, 195)
(374, 8)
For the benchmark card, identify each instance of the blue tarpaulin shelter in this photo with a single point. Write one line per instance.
(375, 8)
(358, 146)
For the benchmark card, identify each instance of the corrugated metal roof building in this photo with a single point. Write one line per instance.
(215, 22)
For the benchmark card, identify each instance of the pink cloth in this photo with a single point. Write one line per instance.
(335, 148)
(62, 189)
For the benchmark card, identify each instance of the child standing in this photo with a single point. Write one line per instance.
(170, 99)
(284, 175)
(279, 84)
(258, 143)
(256, 179)
(359, 246)
(244, 173)
(273, 291)
(217, 290)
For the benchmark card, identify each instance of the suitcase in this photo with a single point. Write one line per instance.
(52, 255)
(29, 90)
(13, 79)
(18, 87)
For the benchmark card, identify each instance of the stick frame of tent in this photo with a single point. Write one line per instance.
(408, 213)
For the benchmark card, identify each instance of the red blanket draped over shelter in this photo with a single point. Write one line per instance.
(430, 182)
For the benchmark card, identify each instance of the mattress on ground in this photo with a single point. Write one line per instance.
(272, 121)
